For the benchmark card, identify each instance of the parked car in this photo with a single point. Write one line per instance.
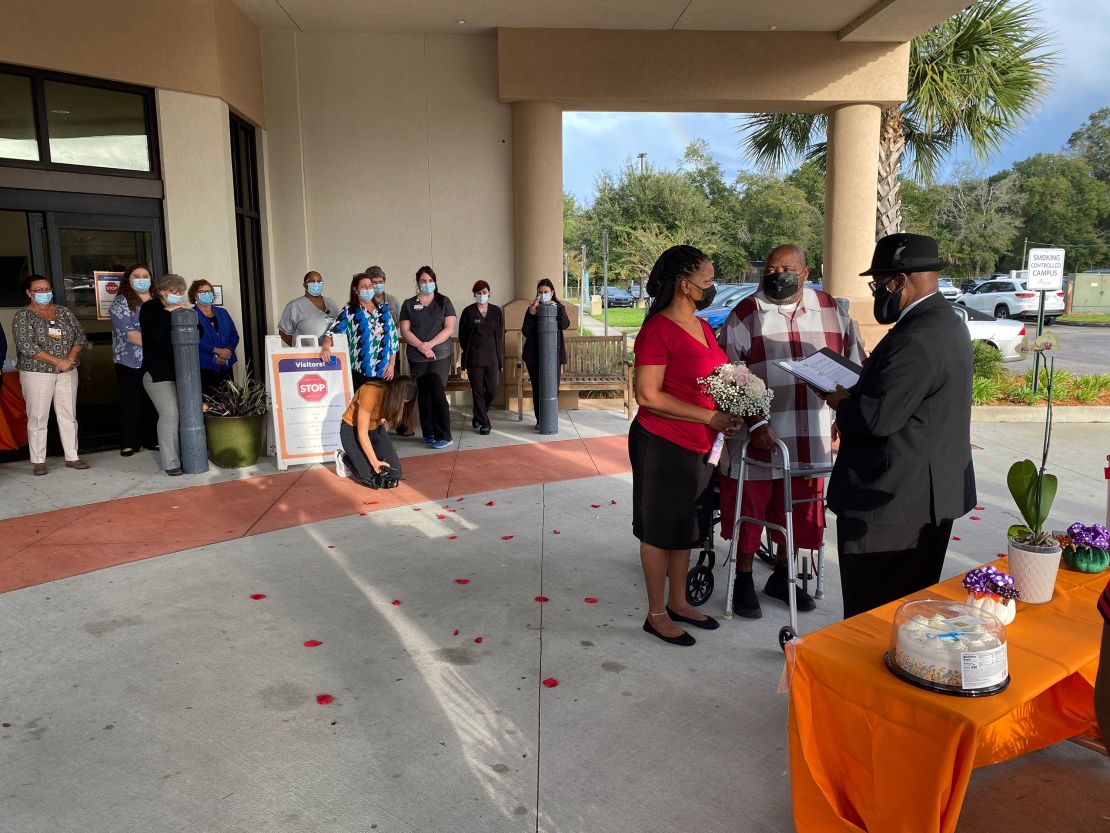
(634, 291)
(949, 292)
(1009, 298)
(617, 297)
(999, 333)
(728, 296)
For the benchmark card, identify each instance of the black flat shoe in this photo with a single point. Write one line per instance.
(177, 472)
(682, 639)
(484, 430)
(126, 452)
(475, 424)
(706, 624)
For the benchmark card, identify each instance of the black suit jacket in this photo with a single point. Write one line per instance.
(905, 448)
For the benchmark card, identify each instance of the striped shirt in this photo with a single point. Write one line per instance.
(760, 333)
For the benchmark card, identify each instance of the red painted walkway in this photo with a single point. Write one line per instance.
(35, 549)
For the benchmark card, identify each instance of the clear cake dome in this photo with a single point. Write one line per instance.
(948, 647)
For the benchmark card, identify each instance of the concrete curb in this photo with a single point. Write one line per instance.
(1080, 324)
(1036, 413)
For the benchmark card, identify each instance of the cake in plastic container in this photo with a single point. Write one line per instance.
(949, 647)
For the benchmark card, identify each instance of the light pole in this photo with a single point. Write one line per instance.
(642, 157)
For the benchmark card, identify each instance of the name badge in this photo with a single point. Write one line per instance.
(54, 331)
(418, 306)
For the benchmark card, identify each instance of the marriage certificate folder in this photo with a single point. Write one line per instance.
(824, 370)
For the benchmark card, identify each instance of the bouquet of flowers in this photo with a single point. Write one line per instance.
(735, 390)
(1086, 548)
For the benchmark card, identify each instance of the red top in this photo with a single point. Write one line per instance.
(1104, 604)
(662, 341)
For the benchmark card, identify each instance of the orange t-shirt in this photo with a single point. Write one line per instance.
(368, 398)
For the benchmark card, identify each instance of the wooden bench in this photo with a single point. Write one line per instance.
(456, 380)
(593, 363)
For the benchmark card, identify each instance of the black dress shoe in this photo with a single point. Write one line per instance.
(706, 624)
(745, 602)
(777, 587)
(485, 429)
(682, 639)
(475, 424)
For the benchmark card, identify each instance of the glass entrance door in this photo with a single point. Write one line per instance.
(79, 246)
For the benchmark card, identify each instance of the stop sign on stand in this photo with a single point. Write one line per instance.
(312, 387)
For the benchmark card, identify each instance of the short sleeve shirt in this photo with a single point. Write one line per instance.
(663, 342)
(303, 318)
(368, 399)
(125, 320)
(425, 323)
(34, 334)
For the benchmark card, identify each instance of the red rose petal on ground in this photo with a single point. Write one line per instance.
(1000, 555)
(556, 532)
(595, 505)
(456, 632)
(477, 640)
(313, 643)
(974, 518)
(452, 537)
(490, 503)
(257, 596)
(449, 509)
(506, 537)
(541, 599)
(441, 517)
(331, 546)
(370, 503)
(396, 603)
(364, 513)
(462, 581)
(459, 499)
(551, 682)
(590, 600)
(612, 503)
(980, 508)
(416, 509)
(956, 538)
(324, 699)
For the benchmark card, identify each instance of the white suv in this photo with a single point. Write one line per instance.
(1010, 298)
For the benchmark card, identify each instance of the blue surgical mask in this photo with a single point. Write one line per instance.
(174, 298)
(379, 289)
(366, 294)
(206, 297)
(43, 298)
(315, 288)
(482, 297)
(545, 297)
(140, 284)
(428, 288)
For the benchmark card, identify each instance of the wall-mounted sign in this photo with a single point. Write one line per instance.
(107, 287)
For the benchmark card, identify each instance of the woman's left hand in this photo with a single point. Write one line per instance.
(387, 374)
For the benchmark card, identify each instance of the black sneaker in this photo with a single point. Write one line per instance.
(776, 588)
(745, 602)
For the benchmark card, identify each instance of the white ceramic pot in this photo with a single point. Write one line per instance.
(1034, 570)
(1003, 609)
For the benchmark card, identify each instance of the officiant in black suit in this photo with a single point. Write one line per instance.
(904, 470)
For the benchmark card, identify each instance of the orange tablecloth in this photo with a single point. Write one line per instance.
(13, 414)
(871, 752)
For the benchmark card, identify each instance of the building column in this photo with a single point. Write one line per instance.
(537, 195)
(851, 182)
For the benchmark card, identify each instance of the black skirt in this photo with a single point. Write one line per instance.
(670, 484)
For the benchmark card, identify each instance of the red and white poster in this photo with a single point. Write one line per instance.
(107, 287)
(309, 398)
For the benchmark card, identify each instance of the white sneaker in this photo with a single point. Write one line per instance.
(340, 465)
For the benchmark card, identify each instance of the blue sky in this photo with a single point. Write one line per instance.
(596, 141)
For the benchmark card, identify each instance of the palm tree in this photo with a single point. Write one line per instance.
(972, 78)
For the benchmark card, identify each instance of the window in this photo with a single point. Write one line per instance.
(17, 122)
(96, 127)
(50, 120)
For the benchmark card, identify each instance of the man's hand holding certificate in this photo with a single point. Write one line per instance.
(824, 371)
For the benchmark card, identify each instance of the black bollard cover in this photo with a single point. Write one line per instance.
(186, 356)
(548, 329)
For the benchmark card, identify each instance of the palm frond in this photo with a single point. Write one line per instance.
(775, 140)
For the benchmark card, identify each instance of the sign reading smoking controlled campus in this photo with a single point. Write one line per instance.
(1046, 270)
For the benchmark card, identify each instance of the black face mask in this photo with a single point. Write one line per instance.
(888, 305)
(707, 296)
(781, 286)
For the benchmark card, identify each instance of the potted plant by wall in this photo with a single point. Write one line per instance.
(234, 419)
(1034, 555)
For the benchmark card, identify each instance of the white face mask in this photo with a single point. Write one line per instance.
(481, 297)
(545, 297)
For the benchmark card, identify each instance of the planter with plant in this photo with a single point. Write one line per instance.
(234, 420)
(1034, 554)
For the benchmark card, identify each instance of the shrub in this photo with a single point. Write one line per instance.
(986, 360)
(985, 391)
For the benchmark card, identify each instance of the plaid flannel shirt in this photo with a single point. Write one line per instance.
(761, 333)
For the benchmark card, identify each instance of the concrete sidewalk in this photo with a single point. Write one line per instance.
(158, 696)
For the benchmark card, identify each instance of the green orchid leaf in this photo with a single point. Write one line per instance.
(1022, 482)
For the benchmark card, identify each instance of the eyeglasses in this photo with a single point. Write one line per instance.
(873, 285)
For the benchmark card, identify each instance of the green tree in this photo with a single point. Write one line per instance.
(730, 257)
(972, 78)
(976, 219)
(1091, 142)
(776, 212)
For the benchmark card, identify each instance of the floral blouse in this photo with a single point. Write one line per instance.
(125, 320)
(34, 334)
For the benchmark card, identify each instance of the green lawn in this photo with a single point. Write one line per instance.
(625, 319)
(1085, 318)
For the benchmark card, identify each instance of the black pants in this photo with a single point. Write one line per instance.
(483, 387)
(383, 448)
(210, 380)
(533, 366)
(910, 560)
(358, 379)
(431, 397)
(137, 417)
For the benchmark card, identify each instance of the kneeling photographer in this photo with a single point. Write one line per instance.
(367, 450)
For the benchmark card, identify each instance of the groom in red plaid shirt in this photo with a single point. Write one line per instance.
(784, 320)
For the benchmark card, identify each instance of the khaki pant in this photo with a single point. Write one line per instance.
(39, 390)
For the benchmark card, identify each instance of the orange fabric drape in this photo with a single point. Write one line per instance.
(13, 414)
(869, 752)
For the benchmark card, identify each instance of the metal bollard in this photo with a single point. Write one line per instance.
(548, 402)
(186, 358)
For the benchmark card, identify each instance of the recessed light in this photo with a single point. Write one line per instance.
(772, 28)
(61, 112)
(460, 22)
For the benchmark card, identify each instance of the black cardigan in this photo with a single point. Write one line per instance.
(530, 351)
(154, 325)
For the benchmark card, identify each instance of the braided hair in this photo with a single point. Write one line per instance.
(673, 265)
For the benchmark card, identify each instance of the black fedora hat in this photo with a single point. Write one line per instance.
(905, 253)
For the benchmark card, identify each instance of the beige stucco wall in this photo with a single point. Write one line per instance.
(198, 46)
(391, 150)
(199, 203)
